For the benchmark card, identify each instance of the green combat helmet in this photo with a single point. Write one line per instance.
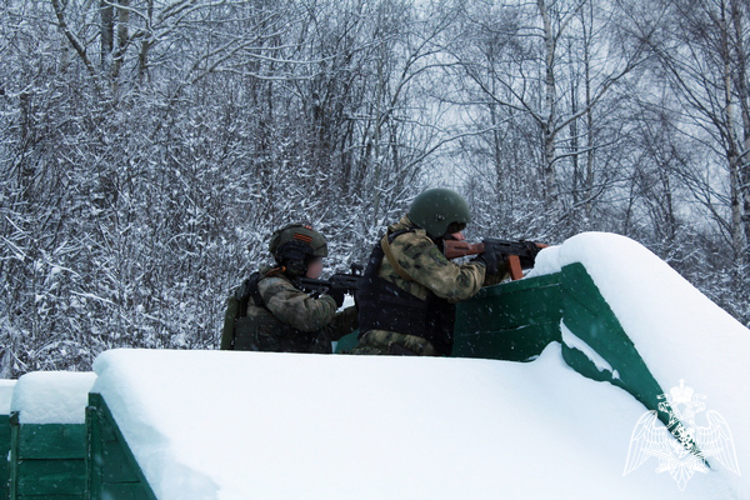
(440, 212)
(294, 245)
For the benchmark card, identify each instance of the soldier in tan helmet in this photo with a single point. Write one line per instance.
(279, 315)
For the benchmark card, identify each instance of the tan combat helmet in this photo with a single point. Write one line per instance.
(294, 245)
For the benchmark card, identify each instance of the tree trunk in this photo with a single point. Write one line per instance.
(733, 156)
(589, 121)
(123, 20)
(146, 45)
(574, 144)
(107, 31)
(548, 130)
(743, 173)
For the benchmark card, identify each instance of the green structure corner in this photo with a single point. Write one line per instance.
(113, 471)
(515, 321)
(589, 317)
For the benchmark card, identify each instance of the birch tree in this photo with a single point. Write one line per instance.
(529, 73)
(703, 56)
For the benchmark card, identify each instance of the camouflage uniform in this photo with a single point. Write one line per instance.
(279, 316)
(432, 274)
(290, 320)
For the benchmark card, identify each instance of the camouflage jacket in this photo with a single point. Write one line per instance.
(291, 320)
(430, 271)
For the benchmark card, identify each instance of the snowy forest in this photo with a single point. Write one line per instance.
(148, 148)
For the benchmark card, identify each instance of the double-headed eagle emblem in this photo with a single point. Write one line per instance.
(689, 447)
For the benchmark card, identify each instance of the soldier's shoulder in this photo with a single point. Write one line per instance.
(414, 241)
(270, 284)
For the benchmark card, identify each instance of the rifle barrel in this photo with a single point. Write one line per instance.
(519, 255)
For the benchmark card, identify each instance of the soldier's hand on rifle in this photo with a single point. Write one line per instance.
(532, 248)
(492, 257)
(337, 295)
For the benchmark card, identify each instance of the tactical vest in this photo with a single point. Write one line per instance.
(263, 331)
(385, 306)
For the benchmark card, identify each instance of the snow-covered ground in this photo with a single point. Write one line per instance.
(238, 425)
(52, 397)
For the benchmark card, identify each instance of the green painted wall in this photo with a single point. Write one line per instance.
(513, 321)
(4, 451)
(47, 461)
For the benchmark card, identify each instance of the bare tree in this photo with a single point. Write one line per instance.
(525, 70)
(148, 148)
(703, 55)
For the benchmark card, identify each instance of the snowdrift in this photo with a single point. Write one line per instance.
(54, 397)
(47, 446)
(679, 334)
(226, 425)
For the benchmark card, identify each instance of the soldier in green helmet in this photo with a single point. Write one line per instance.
(278, 315)
(407, 300)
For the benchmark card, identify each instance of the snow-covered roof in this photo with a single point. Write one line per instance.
(237, 425)
(678, 331)
(52, 397)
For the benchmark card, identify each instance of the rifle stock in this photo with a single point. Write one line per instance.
(520, 255)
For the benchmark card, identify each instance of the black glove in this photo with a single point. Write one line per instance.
(531, 248)
(492, 257)
(337, 295)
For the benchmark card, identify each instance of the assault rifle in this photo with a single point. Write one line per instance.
(349, 283)
(519, 254)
